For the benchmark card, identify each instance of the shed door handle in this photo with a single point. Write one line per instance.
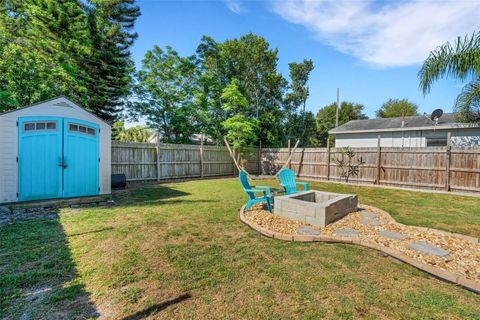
(62, 163)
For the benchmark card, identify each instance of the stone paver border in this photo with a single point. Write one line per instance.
(439, 273)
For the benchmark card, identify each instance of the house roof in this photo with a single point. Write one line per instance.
(447, 121)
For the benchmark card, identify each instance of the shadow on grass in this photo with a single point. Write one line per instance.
(158, 307)
(149, 191)
(155, 195)
(38, 274)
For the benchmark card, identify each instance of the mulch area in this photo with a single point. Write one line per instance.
(463, 252)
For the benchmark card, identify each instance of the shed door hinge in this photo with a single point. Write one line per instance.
(99, 159)
(17, 123)
(17, 159)
(17, 195)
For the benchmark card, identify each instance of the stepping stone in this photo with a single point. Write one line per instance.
(368, 215)
(308, 230)
(393, 235)
(428, 248)
(347, 232)
(370, 222)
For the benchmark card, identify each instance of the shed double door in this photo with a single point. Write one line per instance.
(57, 157)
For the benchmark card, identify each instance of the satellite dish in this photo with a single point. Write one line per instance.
(436, 114)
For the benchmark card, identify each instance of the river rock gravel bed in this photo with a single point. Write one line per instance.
(463, 256)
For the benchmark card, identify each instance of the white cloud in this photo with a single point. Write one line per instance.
(384, 33)
(235, 6)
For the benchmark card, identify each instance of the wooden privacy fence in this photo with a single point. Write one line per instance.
(142, 162)
(438, 168)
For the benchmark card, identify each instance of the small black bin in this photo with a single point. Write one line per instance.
(119, 180)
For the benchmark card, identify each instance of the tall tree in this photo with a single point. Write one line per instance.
(460, 60)
(397, 108)
(299, 75)
(326, 117)
(165, 94)
(108, 69)
(41, 42)
(232, 89)
(211, 84)
(68, 47)
(251, 61)
(297, 96)
(239, 130)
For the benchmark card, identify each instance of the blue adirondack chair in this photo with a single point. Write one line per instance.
(287, 181)
(252, 190)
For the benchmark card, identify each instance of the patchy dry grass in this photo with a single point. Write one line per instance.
(179, 251)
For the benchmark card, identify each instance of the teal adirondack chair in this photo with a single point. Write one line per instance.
(252, 190)
(287, 181)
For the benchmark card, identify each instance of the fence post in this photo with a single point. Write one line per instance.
(260, 167)
(447, 162)
(289, 152)
(158, 156)
(201, 157)
(233, 162)
(379, 156)
(300, 164)
(328, 159)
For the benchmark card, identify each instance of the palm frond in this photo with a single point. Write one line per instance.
(459, 60)
(467, 104)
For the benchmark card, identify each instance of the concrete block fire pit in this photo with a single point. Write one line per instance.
(315, 207)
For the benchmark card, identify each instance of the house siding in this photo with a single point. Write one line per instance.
(60, 107)
(466, 137)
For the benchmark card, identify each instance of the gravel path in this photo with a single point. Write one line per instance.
(450, 252)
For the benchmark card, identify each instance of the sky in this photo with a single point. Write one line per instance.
(372, 50)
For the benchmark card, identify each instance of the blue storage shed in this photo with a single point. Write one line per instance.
(53, 149)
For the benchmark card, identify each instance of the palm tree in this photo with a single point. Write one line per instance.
(460, 60)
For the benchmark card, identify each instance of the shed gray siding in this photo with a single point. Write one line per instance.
(59, 107)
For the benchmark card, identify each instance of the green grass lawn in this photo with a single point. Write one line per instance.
(179, 251)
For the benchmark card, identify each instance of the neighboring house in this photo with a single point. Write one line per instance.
(416, 131)
(53, 149)
(196, 138)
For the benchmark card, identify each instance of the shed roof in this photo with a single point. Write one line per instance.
(61, 99)
(447, 121)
